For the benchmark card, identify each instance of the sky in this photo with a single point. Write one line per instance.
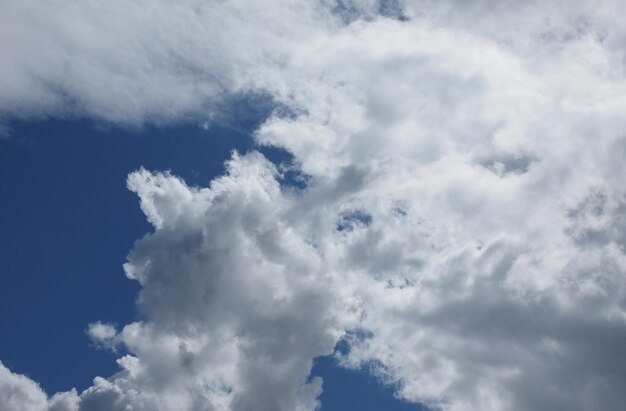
(312, 205)
(81, 243)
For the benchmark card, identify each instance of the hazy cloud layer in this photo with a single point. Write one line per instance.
(462, 228)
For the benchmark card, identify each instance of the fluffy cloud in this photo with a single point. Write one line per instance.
(20, 393)
(462, 226)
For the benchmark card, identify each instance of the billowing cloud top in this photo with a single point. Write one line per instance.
(463, 223)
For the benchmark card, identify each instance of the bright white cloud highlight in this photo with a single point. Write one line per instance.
(463, 223)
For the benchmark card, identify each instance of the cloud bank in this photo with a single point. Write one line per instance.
(463, 223)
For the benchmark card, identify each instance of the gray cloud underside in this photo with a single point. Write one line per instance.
(463, 226)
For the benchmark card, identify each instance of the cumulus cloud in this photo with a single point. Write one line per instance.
(102, 335)
(461, 229)
(20, 393)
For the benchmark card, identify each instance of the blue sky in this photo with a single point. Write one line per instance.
(312, 204)
(63, 253)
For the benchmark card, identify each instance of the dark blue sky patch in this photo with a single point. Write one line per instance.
(290, 175)
(356, 390)
(242, 113)
(350, 220)
(352, 337)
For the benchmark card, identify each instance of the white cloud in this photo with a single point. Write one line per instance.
(464, 215)
(132, 62)
(101, 332)
(20, 393)
(103, 335)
